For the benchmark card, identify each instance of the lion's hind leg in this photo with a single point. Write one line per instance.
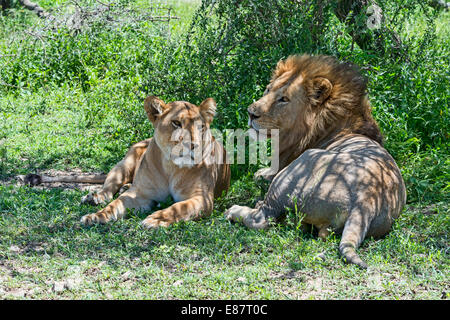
(121, 174)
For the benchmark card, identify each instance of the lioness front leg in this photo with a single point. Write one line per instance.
(191, 208)
(121, 174)
(131, 199)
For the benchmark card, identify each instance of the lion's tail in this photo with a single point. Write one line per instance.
(36, 179)
(354, 232)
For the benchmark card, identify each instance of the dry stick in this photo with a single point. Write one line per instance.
(104, 4)
(168, 25)
(12, 86)
(36, 179)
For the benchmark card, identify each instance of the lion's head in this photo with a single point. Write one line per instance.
(312, 97)
(182, 129)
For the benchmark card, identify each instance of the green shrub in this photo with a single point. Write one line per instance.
(233, 46)
(228, 52)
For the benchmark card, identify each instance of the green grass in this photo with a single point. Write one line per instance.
(42, 244)
(71, 116)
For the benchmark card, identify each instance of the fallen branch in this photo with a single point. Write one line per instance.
(36, 179)
(41, 13)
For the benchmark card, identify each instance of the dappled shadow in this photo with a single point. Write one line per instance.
(50, 226)
(354, 177)
(353, 187)
(56, 233)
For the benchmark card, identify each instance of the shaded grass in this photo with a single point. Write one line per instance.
(43, 243)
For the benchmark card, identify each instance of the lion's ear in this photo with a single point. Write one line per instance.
(154, 107)
(208, 109)
(319, 89)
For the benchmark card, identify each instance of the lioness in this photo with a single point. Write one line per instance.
(155, 171)
(334, 168)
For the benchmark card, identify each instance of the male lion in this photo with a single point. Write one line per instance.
(193, 178)
(335, 169)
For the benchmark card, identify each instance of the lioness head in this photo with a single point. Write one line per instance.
(310, 97)
(182, 129)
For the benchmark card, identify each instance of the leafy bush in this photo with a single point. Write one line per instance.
(228, 53)
(233, 47)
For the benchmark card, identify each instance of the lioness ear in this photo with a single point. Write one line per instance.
(208, 109)
(319, 89)
(154, 107)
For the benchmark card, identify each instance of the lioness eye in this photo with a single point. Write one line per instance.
(283, 99)
(176, 124)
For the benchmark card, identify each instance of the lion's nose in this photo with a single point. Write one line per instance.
(252, 114)
(194, 145)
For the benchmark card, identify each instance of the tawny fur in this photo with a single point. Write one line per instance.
(333, 166)
(153, 175)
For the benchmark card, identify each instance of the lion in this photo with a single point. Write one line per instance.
(333, 167)
(156, 169)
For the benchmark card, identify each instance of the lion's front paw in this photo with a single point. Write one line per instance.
(265, 173)
(98, 217)
(237, 213)
(156, 220)
(251, 218)
(94, 199)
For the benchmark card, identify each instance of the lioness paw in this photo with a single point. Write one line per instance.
(93, 199)
(90, 219)
(156, 220)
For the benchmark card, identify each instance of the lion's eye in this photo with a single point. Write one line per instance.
(283, 99)
(176, 124)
